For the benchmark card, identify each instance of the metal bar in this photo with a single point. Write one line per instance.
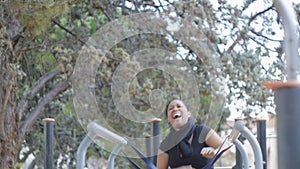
(234, 135)
(94, 130)
(287, 97)
(48, 132)
(243, 154)
(112, 156)
(148, 143)
(81, 152)
(288, 118)
(290, 25)
(156, 138)
(240, 125)
(105, 133)
(262, 139)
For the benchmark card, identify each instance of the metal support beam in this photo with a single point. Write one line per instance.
(49, 133)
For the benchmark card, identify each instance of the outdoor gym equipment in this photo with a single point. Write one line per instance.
(240, 126)
(96, 130)
(48, 132)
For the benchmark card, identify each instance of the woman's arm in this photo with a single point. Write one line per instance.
(162, 160)
(214, 141)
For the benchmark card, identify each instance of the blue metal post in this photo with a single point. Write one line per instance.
(156, 137)
(262, 139)
(287, 94)
(288, 119)
(48, 132)
(148, 142)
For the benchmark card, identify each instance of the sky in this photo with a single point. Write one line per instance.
(239, 105)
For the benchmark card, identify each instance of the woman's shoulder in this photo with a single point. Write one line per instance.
(202, 126)
(201, 131)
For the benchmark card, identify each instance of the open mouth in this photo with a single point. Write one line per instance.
(176, 116)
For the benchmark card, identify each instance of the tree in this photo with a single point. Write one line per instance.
(17, 118)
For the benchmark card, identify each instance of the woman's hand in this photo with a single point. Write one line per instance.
(208, 152)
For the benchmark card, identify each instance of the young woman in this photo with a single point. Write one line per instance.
(188, 145)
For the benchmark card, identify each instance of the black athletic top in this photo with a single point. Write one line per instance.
(193, 157)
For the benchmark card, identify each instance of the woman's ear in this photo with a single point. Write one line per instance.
(189, 114)
(168, 120)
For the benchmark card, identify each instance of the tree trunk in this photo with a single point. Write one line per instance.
(13, 127)
(9, 139)
(10, 143)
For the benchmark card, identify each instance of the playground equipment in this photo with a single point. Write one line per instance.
(96, 130)
(262, 139)
(240, 126)
(49, 132)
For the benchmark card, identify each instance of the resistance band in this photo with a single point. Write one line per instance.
(145, 159)
(136, 166)
(217, 156)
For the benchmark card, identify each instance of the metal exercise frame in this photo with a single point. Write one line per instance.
(287, 94)
(239, 126)
(96, 130)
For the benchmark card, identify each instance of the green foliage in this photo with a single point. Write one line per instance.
(36, 15)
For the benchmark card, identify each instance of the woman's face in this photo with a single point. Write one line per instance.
(177, 113)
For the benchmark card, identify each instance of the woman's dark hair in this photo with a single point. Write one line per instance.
(166, 108)
(168, 103)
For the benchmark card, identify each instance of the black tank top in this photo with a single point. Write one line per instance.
(196, 159)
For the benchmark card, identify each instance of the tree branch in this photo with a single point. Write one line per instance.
(261, 35)
(23, 104)
(243, 33)
(239, 37)
(261, 44)
(56, 22)
(28, 123)
(259, 13)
